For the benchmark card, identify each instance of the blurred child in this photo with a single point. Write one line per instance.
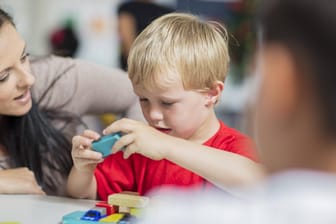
(177, 66)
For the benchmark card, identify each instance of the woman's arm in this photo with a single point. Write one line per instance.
(19, 181)
(82, 87)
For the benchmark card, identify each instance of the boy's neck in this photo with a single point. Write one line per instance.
(207, 129)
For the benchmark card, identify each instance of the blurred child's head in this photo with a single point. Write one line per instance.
(296, 107)
(179, 59)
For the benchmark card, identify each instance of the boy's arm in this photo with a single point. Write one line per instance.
(81, 180)
(222, 168)
(82, 184)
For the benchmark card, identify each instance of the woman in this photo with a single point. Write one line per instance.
(41, 102)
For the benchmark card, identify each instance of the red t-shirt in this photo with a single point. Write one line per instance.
(140, 174)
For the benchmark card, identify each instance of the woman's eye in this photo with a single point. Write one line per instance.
(143, 100)
(4, 77)
(24, 57)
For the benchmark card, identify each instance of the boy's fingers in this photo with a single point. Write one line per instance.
(130, 149)
(88, 154)
(75, 141)
(124, 141)
(90, 161)
(91, 134)
(79, 140)
(123, 125)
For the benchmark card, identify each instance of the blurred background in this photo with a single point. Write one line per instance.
(95, 30)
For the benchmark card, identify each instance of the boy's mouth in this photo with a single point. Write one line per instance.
(164, 130)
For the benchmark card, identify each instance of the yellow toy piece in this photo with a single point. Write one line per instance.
(9, 223)
(112, 218)
(128, 200)
(108, 119)
(135, 212)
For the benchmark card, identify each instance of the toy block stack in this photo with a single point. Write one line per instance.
(120, 208)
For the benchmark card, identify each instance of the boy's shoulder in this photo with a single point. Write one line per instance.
(227, 133)
(232, 140)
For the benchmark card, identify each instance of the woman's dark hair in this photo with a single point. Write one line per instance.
(5, 17)
(307, 29)
(33, 141)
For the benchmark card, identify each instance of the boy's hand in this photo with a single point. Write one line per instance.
(84, 158)
(139, 138)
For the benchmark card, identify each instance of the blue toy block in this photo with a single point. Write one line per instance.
(105, 143)
(77, 218)
(94, 214)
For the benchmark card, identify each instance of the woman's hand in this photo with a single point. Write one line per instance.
(19, 181)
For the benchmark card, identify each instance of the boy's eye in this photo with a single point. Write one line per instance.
(167, 103)
(24, 57)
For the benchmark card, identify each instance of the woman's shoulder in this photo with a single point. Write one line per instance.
(48, 72)
(49, 66)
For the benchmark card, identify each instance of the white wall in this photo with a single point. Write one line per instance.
(95, 19)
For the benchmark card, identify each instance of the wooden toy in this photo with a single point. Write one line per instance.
(121, 208)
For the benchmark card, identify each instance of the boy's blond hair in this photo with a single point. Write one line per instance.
(180, 43)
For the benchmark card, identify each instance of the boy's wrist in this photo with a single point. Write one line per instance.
(87, 170)
(168, 151)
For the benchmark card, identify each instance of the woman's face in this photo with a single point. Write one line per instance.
(15, 76)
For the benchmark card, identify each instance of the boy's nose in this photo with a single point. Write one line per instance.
(155, 114)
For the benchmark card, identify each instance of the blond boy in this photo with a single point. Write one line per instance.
(177, 66)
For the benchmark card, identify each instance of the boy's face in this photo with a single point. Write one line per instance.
(174, 110)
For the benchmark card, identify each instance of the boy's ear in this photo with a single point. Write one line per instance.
(214, 93)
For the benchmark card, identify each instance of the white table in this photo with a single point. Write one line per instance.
(34, 209)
